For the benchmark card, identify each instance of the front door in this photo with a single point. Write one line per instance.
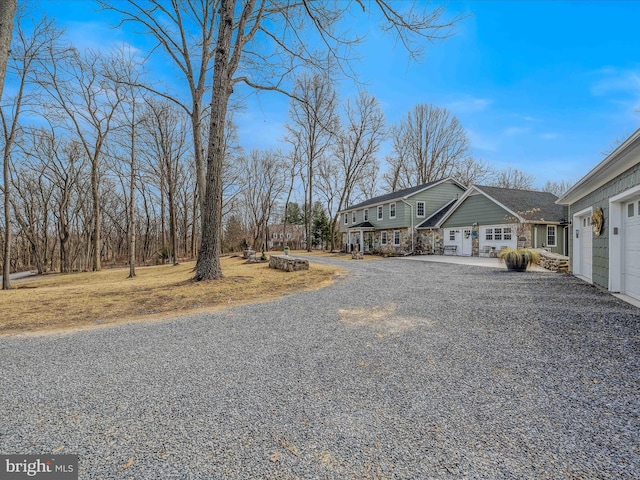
(466, 241)
(583, 243)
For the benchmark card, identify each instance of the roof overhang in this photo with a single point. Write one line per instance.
(620, 160)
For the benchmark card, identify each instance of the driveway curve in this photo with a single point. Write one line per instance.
(402, 369)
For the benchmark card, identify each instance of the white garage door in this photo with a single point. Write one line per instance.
(631, 249)
(498, 236)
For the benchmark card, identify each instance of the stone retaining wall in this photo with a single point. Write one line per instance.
(287, 263)
(554, 261)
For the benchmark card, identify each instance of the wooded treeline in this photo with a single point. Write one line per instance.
(103, 166)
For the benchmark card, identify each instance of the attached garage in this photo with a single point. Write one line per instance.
(631, 249)
(604, 207)
(624, 245)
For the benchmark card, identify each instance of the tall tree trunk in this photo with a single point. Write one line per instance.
(132, 192)
(6, 264)
(96, 215)
(7, 12)
(208, 265)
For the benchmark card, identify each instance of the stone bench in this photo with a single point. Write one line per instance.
(288, 263)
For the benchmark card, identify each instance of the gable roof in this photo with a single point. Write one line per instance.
(515, 202)
(433, 220)
(620, 160)
(400, 194)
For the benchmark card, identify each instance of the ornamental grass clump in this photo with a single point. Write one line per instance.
(519, 259)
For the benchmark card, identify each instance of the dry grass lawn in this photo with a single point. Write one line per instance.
(82, 300)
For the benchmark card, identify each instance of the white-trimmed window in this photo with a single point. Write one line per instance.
(630, 210)
(383, 238)
(551, 236)
(452, 235)
(497, 233)
(346, 218)
(379, 212)
(274, 235)
(392, 210)
(353, 217)
(396, 238)
(506, 233)
(366, 214)
(288, 235)
(420, 209)
(488, 234)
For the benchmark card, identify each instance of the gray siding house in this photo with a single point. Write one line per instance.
(387, 223)
(604, 208)
(487, 219)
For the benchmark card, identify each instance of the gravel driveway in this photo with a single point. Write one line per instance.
(403, 369)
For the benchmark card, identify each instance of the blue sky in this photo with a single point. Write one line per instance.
(542, 86)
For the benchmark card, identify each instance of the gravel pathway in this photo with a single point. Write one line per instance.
(403, 369)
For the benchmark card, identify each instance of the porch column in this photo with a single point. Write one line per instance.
(348, 241)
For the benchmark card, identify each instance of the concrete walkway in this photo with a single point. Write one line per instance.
(475, 261)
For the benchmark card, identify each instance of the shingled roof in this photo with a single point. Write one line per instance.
(519, 201)
(433, 220)
(387, 197)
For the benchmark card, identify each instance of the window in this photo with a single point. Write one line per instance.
(551, 235)
(366, 214)
(346, 218)
(274, 235)
(488, 234)
(392, 210)
(353, 217)
(630, 210)
(396, 238)
(288, 235)
(497, 233)
(383, 238)
(452, 235)
(506, 233)
(420, 209)
(380, 212)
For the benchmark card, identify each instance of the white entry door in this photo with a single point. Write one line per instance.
(466, 241)
(631, 249)
(584, 255)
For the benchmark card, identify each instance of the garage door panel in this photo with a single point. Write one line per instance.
(631, 249)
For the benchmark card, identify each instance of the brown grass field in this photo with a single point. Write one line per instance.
(88, 300)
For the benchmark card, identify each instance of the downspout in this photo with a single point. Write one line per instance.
(412, 231)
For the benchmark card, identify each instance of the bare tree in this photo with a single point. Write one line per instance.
(63, 165)
(513, 178)
(265, 183)
(166, 148)
(7, 12)
(557, 187)
(313, 129)
(428, 144)
(185, 31)
(471, 171)
(353, 159)
(78, 88)
(27, 47)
